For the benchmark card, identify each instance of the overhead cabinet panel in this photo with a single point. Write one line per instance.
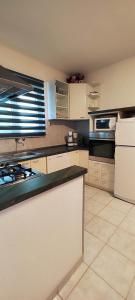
(79, 100)
(58, 100)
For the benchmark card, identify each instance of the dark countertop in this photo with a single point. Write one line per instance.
(39, 152)
(13, 194)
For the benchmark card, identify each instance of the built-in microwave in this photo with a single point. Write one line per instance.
(104, 123)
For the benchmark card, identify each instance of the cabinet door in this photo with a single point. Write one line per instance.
(58, 162)
(39, 164)
(94, 173)
(26, 163)
(107, 176)
(78, 101)
(74, 158)
(83, 161)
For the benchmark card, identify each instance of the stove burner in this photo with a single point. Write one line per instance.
(10, 173)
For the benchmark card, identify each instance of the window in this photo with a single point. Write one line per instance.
(24, 115)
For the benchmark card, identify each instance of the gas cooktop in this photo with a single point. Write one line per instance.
(13, 173)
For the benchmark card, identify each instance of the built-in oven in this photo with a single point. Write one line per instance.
(102, 144)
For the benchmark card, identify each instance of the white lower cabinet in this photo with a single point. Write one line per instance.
(38, 164)
(94, 172)
(65, 160)
(74, 157)
(107, 176)
(83, 161)
(26, 163)
(101, 175)
(58, 162)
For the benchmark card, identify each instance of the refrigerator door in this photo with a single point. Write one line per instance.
(125, 132)
(124, 187)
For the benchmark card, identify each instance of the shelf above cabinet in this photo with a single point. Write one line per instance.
(61, 95)
(58, 100)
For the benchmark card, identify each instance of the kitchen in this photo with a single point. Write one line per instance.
(67, 150)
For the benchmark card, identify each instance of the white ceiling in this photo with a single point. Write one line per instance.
(71, 35)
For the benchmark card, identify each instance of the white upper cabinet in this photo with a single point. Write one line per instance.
(79, 100)
(58, 100)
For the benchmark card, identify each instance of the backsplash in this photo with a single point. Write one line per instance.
(55, 136)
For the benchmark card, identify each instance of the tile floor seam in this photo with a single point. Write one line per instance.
(107, 244)
(131, 261)
(90, 219)
(100, 210)
(117, 227)
(107, 220)
(98, 252)
(76, 282)
(110, 222)
(130, 287)
(107, 283)
(97, 237)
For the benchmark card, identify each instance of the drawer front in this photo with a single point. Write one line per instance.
(94, 173)
(39, 164)
(74, 158)
(26, 163)
(107, 176)
(57, 162)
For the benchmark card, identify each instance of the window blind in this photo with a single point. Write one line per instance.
(24, 115)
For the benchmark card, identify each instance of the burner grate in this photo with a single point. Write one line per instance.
(10, 173)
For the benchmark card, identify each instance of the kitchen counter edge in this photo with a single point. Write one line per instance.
(16, 193)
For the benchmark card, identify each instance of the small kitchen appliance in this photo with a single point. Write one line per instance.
(75, 138)
(105, 123)
(72, 139)
(70, 142)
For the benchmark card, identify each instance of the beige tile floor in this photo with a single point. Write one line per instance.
(108, 268)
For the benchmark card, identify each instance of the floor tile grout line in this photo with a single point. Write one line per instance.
(103, 241)
(105, 219)
(117, 227)
(130, 287)
(124, 298)
(90, 265)
(77, 282)
(99, 210)
(97, 253)
(106, 244)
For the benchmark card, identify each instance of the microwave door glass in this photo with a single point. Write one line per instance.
(102, 124)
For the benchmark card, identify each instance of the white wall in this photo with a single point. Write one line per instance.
(25, 64)
(117, 84)
(19, 62)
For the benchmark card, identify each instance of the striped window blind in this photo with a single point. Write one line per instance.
(24, 115)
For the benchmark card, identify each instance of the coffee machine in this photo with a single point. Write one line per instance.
(72, 139)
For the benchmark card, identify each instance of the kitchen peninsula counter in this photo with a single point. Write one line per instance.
(20, 191)
(41, 237)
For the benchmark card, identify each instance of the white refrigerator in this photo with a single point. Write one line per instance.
(124, 187)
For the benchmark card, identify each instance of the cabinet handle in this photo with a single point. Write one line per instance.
(82, 117)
